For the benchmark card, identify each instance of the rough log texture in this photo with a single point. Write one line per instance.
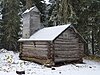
(32, 50)
(40, 52)
(68, 47)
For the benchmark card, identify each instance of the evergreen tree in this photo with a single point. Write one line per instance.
(11, 24)
(0, 23)
(88, 25)
(63, 12)
(84, 14)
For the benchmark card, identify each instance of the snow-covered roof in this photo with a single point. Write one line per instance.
(28, 10)
(49, 33)
(0, 16)
(47, 1)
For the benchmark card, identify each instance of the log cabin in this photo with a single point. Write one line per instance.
(51, 45)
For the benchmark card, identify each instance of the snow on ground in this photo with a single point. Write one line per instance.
(10, 62)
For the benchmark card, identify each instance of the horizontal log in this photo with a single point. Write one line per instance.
(66, 41)
(41, 43)
(34, 48)
(24, 45)
(35, 45)
(72, 33)
(66, 59)
(43, 46)
(31, 48)
(67, 52)
(66, 49)
(31, 55)
(66, 45)
(41, 61)
(63, 47)
(32, 43)
(65, 36)
(61, 40)
(68, 34)
(36, 52)
(66, 55)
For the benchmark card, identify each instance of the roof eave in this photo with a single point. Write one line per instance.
(28, 40)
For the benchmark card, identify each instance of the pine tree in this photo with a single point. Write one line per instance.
(63, 12)
(88, 25)
(1, 22)
(11, 24)
(84, 14)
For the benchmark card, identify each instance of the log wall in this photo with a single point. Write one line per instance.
(34, 50)
(68, 47)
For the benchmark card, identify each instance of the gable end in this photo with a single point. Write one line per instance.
(77, 33)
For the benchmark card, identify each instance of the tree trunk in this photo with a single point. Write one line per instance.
(92, 41)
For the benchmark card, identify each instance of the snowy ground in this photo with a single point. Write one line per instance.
(9, 63)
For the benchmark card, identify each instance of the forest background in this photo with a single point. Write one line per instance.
(84, 15)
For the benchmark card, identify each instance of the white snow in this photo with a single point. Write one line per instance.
(31, 68)
(28, 10)
(0, 16)
(48, 34)
(47, 1)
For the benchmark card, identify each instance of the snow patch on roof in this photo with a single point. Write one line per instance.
(47, 34)
(47, 1)
(28, 10)
(0, 16)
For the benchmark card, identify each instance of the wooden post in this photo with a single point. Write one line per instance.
(21, 47)
(49, 51)
(53, 51)
(92, 41)
(50, 60)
